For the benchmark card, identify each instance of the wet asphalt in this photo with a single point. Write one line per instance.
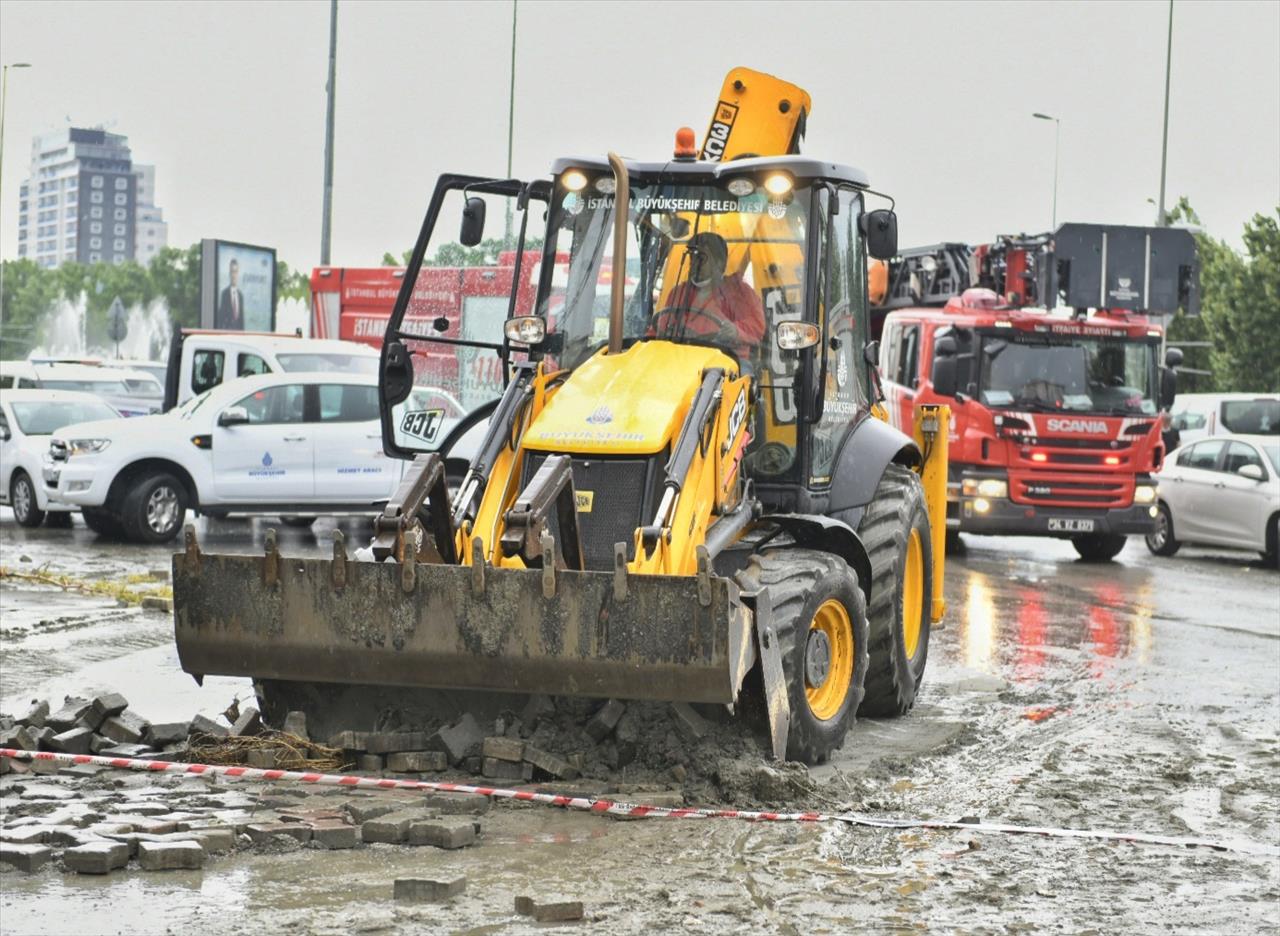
(1139, 695)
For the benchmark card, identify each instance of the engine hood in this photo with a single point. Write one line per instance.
(631, 403)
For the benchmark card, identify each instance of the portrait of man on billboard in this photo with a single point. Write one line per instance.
(231, 301)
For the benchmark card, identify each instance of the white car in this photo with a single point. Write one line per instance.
(292, 445)
(1222, 491)
(1197, 415)
(27, 419)
(131, 392)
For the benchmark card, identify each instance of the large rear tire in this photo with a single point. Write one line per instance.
(1098, 547)
(895, 532)
(819, 619)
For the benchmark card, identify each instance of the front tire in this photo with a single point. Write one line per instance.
(22, 495)
(895, 532)
(154, 508)
(1098, 547)
(819, 617)
(1161, 541)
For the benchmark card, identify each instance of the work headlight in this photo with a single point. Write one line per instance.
(88, 446)
(985, 487)
(1144, 494)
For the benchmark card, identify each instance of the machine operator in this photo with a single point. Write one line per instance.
(711, 305)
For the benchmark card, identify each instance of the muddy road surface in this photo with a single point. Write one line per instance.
(1141, 695)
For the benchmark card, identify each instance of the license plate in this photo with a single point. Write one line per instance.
(1061, 525)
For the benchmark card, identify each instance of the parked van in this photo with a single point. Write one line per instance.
(131, 392)
(1197, 415)
(202, 359)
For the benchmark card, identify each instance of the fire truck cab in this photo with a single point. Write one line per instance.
(1055, 411)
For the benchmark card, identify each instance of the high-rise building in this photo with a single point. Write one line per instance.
(86, 201)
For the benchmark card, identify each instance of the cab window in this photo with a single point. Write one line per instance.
(909, 357)
(251, 364)
(5, 382)
(1202, 455)
(1188, 420)
(206, 370)
(346, 403)
(276, 405)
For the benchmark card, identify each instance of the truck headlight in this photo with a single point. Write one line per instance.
(88, 446)
(985, 487)
(1144, 494)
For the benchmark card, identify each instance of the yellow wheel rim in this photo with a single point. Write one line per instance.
(912, 595)
(834, 646)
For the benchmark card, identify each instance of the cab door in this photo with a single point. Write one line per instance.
(270, 458)
(1192, 488)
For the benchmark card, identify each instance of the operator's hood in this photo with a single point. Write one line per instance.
(631, 403)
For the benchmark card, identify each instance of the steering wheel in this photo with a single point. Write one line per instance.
(725, 330)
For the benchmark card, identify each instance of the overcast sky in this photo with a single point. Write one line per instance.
(933, 100)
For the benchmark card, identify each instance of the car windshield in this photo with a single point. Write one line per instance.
(329, 362)
(144, 386)
(46, 417)
(1079, 373)
(1252, 417)
(715, 264)
(113, 387)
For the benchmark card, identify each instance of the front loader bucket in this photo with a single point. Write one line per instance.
(599, 634)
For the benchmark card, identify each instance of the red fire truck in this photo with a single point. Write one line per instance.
(1055, 411)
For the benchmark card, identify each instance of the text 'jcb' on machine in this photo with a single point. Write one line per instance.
(681, 484)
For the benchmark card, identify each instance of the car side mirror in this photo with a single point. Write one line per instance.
(943, 376)
(1168, 386)
(880, 228)
(1251, 471)
(397, 374)
(871, 353)
(5, 434)
(945, 346)
(233, 416)
(472, 222)
(1173, 357)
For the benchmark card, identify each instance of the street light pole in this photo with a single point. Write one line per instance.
(326, 221)
(1164, 143)
(511, 115)
(1057, 138)
(4, 94)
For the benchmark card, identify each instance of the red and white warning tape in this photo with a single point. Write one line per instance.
(613, 808)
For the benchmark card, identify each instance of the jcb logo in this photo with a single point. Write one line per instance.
(718, 135)
(736, 417)
(584, 499)
(1075, 425)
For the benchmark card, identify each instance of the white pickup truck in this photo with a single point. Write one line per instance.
(286, 444)
(200, 360)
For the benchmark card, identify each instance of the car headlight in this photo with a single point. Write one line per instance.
(88, 446)
(985, 487)
(1144, 494)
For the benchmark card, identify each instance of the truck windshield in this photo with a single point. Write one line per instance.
(1079, 373)
(45, 418)
(716, 264)
(332, 363)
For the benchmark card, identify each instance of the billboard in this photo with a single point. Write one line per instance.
(237, 286)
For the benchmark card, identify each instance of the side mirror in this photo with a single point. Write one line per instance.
(397, 374)
(1173, 357)
(472, 222)
(5, 434)
(943, 376)
(881, 231)
(1168, 387)
(871, 353)
(945, 347)
(1251, 471)
(233, 416)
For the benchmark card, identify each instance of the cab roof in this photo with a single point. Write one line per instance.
(802, 168)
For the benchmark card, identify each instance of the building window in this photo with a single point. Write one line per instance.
(118, 244)
(119, 230)
(71, 212)
(71, 243)
(96, 181)
(121, 214)
(122, 198)
(122, 183)
(118, 259)
(95, 243)
(95, 197)
(73, 183)
(95, 258)
(95, 227)
(95, 212)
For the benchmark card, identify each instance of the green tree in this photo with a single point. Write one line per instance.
(175, 274)
(28, 293)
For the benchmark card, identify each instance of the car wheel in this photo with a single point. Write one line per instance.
(154, 508)
(1160, 540)
(103, 522)
(1098, 547)
(22, 495)
(58, 519)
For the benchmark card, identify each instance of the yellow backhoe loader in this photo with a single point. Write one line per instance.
(683, 484)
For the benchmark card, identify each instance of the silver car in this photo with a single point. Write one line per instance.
(1220, 491)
